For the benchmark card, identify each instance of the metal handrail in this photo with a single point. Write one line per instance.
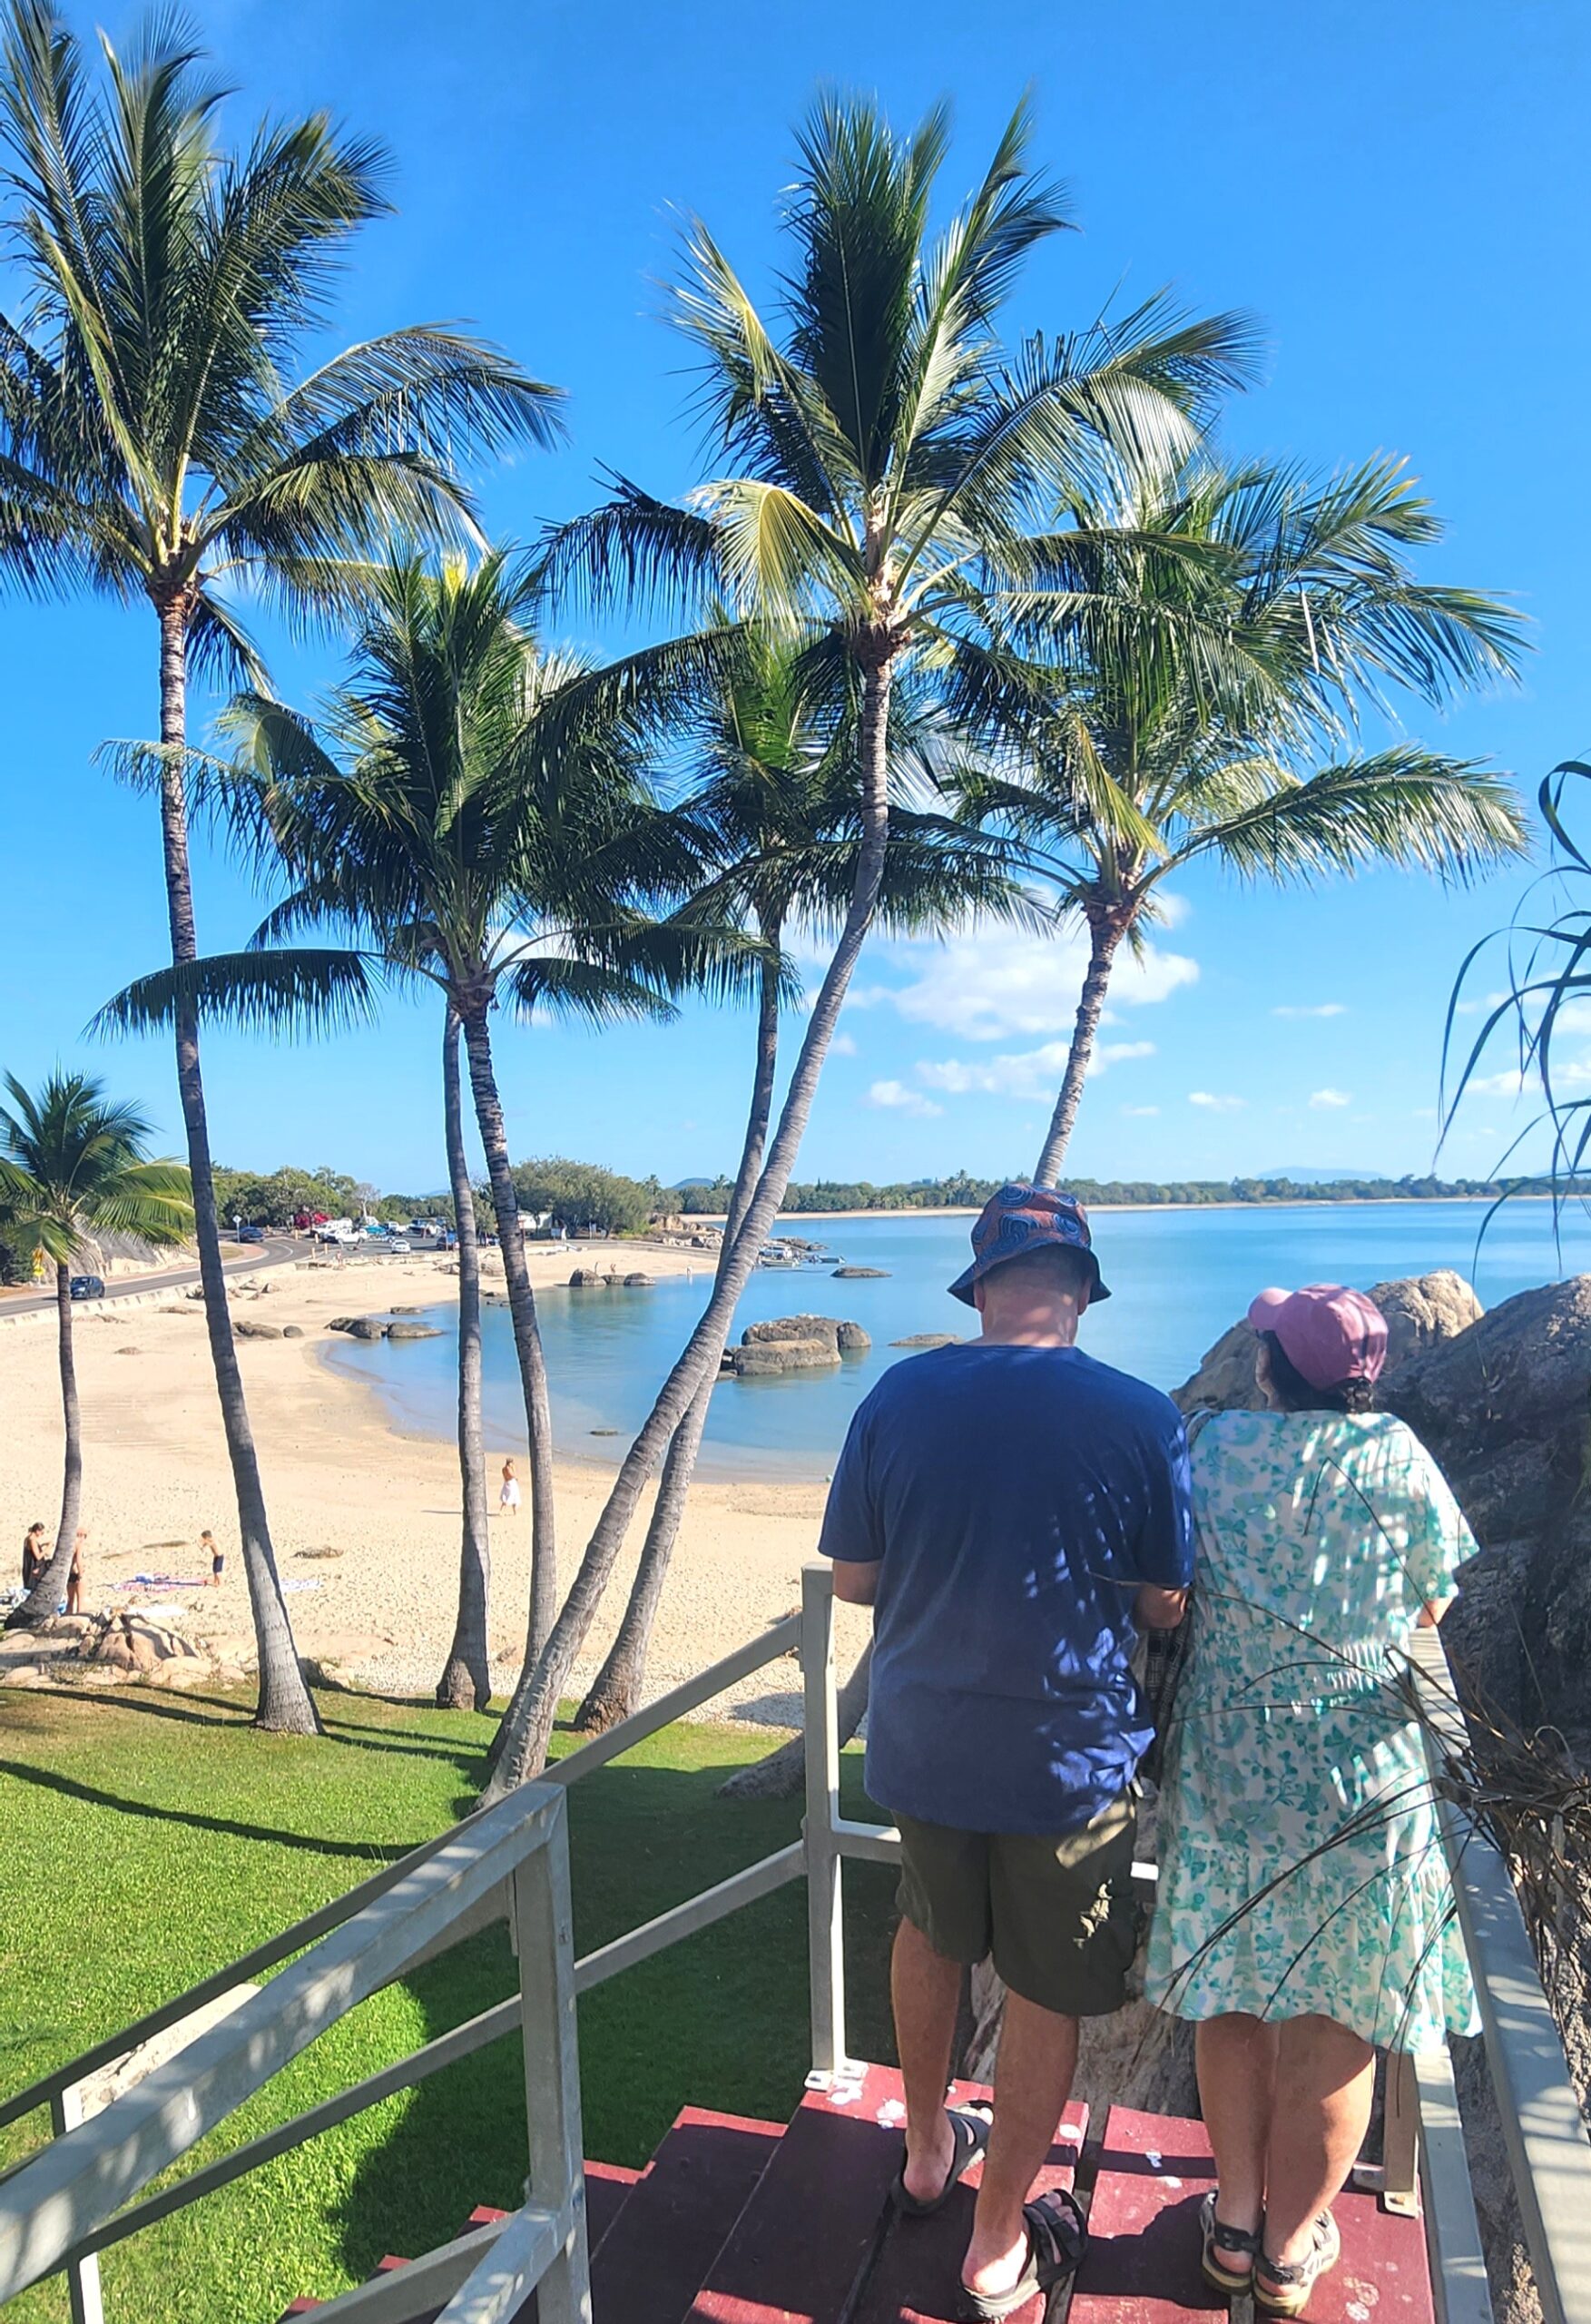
(71, 2198)
(487, 1897)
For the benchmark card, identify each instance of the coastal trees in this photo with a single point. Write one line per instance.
(74, 1167)
(472, 813)
(152, 448)
(882, 459)
(1233, 627)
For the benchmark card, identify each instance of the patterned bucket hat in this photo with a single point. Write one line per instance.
(1021, 1218)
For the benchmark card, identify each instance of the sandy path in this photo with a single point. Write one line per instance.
(338, 1476)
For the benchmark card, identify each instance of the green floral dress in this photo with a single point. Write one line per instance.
(1300, 1867)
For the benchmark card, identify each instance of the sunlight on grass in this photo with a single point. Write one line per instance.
(165, 1838)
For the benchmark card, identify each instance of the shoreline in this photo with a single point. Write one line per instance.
(1117, 1209)
(365, 1512)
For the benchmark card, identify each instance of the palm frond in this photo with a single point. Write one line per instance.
(279, 993)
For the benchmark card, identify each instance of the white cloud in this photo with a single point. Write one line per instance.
(1321, 1008)
(1215, 1104)
(895, 1095)
(1325, 1100)
(1002, 982)
(1141, 1113)
(842, 1046)
(1029, 1074)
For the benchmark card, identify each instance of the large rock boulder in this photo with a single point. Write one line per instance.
(929, 1339)
(793, 1327)
(1420, 1310)
(766, 1357)
(413, 1331)
(246, 1329)
(853, 1340)
(366, 1327)
(860, 1274)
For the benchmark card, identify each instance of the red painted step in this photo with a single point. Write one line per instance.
(917, 2277)
(814, 2224)
(1143, 2262)
(1142, 2265)
(649, 2266)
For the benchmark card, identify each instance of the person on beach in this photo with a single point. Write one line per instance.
(35, 1556)
(1304, 1908)
(75, 1578)
(508, 1495)
(1009, 1507)
(218, 1558)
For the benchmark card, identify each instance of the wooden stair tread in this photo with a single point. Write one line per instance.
(1142, 2265)
(815, 2222)
(1143, 2260)
(648, 2268)
(917, 2276)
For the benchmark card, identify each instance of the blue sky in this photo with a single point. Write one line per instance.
(1390, 190)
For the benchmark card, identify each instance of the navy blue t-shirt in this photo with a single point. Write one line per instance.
(1016, 1498)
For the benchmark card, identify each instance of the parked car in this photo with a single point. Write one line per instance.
(87, 1286)
(399, 1243)
(250, 1234)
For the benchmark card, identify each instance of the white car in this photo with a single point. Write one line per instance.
(399, 1243)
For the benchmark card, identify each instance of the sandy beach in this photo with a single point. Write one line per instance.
(338, 1476)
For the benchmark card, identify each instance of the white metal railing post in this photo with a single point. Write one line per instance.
(544, 1931)
(83, 2276)
(825, 1899)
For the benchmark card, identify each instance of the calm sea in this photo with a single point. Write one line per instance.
(1178, 1279)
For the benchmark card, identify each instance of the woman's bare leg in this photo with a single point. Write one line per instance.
(1237, 2064)
(1325, 2077)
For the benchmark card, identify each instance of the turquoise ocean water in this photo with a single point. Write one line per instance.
(1178, 1279)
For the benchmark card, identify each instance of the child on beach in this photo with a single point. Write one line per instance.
(217, 1557)
(508, 1499)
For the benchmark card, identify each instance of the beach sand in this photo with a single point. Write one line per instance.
(337, 1475)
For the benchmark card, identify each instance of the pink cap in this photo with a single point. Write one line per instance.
(1328, 1334)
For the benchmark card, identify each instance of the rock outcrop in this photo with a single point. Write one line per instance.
(793, 1328)
(929, 1339)
(413, 1331)
(245, 1328)
(860, 1274)
(766, 1357)
(1420, 1312)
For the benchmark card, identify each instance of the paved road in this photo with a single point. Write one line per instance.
(276, 1251)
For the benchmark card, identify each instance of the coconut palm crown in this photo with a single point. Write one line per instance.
(1130, 751)
(74, 1167)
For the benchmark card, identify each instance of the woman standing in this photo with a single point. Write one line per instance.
(1304, 1909)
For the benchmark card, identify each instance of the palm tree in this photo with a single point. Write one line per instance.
(151, 448)
(476, 820)
(1130, 753)
(882, 462)
(772, 782)
(73, 1167)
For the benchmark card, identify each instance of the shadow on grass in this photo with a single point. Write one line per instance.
(90, 1796)
(720, 2021)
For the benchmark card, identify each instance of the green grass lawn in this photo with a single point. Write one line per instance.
(148, 1840)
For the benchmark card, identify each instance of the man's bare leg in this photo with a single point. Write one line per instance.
(926, 1989)
(1033, 2080)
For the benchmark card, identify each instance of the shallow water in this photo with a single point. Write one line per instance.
(1178, 1279)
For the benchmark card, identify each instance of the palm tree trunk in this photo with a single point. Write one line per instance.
(783, 1774)
(285, 1705)
(50, 1589)
(527, 1725)
(1106, 935)
(465, 1683)
(615, 1691)
(527, 1338)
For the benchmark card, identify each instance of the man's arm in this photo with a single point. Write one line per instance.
(1159, 1609)
(856, 1583)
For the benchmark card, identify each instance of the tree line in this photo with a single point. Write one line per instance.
(958, 625)
(701, 1199)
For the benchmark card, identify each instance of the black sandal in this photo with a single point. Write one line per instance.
(969, 2128)
(1230, 2239)
(1056, 2240)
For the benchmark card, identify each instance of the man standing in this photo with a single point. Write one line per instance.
(1009, 1507)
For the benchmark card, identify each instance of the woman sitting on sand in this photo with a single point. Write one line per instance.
(509, 1498)
(1304, 1907)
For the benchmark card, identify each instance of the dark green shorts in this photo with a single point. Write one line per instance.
(1057, 1916)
